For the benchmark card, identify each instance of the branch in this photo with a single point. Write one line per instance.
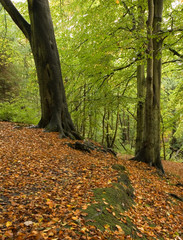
(126, 66)
(175, 52)
(117, 69)
(131, 114)
(126, 86)
(128, 11)
(171, 61)
(173, 30)
(17, 18)
(81, 43)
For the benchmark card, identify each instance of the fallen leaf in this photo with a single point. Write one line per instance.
(28, 223)
(8, 224)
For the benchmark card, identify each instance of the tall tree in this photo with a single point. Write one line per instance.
(150, 150)
(140, 83)
(148, 138)
(157, 52)
(40, 33)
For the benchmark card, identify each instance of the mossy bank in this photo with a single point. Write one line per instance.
(107, 211)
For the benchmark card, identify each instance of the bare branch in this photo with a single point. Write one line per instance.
(171, 61)
(176, 53)
(17, 18)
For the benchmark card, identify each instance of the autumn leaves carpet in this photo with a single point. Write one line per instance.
(46, 186)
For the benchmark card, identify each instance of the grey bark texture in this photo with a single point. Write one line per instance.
(140, 87)
(150, 149)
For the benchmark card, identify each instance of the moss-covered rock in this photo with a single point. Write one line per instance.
(110, 203)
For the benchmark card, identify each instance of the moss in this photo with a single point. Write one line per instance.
(118, 167)
(110, 203)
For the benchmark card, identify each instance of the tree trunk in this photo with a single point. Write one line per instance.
(84, 112)
(54, 109)
(150, 151)
(148, 137)
(140, 88)
(140, 108)
(163, 139)
(157, 46)
(116, 130)
(108, 136)
(40, 33)
(103, 126)
(124, 128)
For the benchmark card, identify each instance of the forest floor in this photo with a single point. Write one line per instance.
(46, 188)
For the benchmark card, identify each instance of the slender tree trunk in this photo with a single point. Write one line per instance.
(174, 146)
(140, 107)
(103, 126)
(108, 139)
(128, 129)
(124, 128)
(116, 130)
(148, 137)
(96, 127)
(157, 46)
(140, 88)
(90, 133)
(163, 140)
(84, 111)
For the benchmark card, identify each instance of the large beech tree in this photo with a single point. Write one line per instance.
(40, 33)
(149, 151)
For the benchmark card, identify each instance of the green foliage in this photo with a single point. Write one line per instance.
(19, 111)
(100, 45)
(93, 46)
(6, 113)
(19, 101)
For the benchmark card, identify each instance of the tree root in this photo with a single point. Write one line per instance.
(176, 197)
(88, 146)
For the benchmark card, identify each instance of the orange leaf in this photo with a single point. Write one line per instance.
(9, 234)
(120, 229)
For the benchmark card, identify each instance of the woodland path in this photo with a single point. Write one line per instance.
(175, 168)
(45, 186)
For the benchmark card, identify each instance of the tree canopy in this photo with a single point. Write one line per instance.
(100, 46)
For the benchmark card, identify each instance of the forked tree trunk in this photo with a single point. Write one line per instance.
(146, 152)
(150, 151)
(40, 33)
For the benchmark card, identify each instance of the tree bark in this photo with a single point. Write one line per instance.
(148, 138)
(108, 136)
(140, 88)
(116, 130)
(140, 107)
(40, 33)
(157, 47)
(150, 151)
(103, 126)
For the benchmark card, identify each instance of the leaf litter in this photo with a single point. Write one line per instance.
(45, 187)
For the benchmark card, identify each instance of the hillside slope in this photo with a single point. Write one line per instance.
(46, 191)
